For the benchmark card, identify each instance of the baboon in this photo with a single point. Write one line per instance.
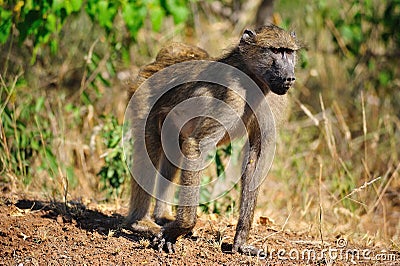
(267, 56)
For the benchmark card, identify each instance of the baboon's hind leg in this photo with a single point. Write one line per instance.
(142, 186)
(165, 191)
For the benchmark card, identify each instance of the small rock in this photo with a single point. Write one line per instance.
(60, 219)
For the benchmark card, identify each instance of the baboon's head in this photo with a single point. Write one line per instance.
(270, 53)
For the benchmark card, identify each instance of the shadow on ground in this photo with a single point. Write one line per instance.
(91, 220)
(82, 217)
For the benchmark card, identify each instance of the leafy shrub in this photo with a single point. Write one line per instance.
(42, 21)
(114, 172)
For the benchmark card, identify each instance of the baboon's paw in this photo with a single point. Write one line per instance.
(145, 226)
(166, 218)
(162, 242)
(250, 251)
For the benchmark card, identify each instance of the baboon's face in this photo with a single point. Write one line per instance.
(280, 75)
(270, 54)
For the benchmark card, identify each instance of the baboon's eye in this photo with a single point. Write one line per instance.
(274, 50)
(289, 51)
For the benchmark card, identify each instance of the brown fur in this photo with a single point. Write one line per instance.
(267, 56)
(169, 55)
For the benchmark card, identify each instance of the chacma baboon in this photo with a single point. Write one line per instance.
(267, 58)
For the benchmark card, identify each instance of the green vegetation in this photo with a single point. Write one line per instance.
(114, 172)
(42, 21)
(62, 103)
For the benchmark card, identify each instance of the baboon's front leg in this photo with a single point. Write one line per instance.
(248, 200)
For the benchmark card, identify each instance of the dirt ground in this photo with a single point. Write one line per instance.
(39, 232)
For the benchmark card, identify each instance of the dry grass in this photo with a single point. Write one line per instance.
(337, 166)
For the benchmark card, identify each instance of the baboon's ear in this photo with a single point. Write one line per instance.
(248, 36)
(293, 34)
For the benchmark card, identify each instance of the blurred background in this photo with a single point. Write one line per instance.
(64, 66)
